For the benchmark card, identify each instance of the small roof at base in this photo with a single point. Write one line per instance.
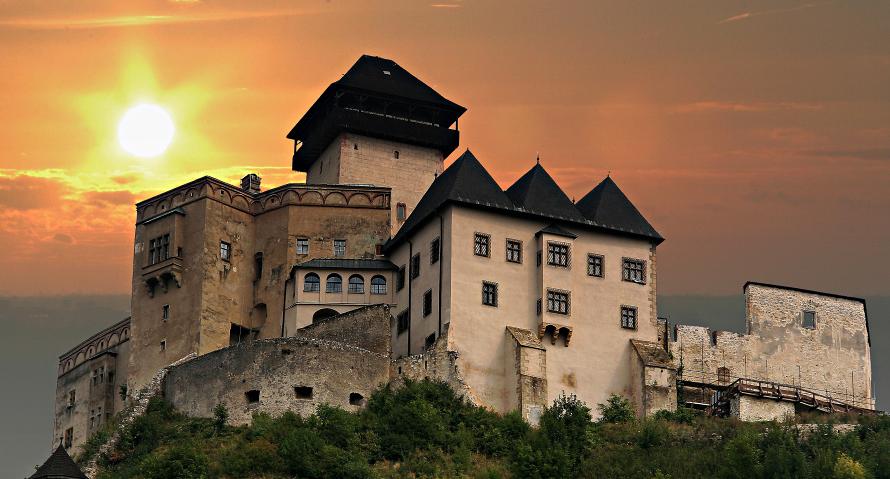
(652, 354)
(59, 466)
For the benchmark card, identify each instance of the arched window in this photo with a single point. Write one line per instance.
(378, 285)
(334, 284)
(311, 282)
(323, 314)
(356, 284)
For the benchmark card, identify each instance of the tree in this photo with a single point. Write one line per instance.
(616, 410)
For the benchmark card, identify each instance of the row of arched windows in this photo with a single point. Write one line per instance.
(334, 284)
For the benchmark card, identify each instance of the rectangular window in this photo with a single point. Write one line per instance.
(809, 319)
(514, 251)
(225, 251)
(595, 265)
(69, 437)
(163, 345)
(401, 211)
(634, 270)
(415, 266)
(339, 248)
(165, 312)
(302, 245)
(427, 303)
(558, 254)
(72, 396)
(159, 249)
(629, 317)
(258, 266)
(400, 279)
(538, 258)
(489, 294)
(152, 252)
(558, 302)
(303, 392)
(481, 245)
(165, 247)
(428, 342)
(101, 374)
(435, 247)
(402, 321)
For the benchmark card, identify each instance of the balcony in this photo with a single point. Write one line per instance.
(162, 275)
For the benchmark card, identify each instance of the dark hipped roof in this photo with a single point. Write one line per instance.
(536, 191)
(59, 466)
(368, 73)
(607, 206)
(343, 263)
(467, 182)
(554, 229)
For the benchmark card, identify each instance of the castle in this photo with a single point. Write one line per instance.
(384, 265)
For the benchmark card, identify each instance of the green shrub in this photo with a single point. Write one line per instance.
(220, 417)
(182, 461)
(616, 409)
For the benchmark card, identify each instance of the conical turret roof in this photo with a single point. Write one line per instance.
(59, 466)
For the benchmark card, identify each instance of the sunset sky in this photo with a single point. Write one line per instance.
(754, 135)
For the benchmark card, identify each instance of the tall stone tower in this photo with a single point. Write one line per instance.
(377, 125)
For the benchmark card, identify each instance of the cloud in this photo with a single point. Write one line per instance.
(870, 154)
(80, 23)
(23, 192)
(446, 5)
(747, 15)
(125, 179)
(63, 238)
(744, 107)
(112, 198)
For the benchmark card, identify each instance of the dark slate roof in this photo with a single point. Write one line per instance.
(59, 466)
(368, 74)
(466, 182)
(607, 206)
(536, 192)
(554, 229)
(342, 263)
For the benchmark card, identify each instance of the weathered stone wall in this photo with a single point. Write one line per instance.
(653, 378)
(436, 363)
(275, 369)
(366, 328)
(747, 408)
(834, 358)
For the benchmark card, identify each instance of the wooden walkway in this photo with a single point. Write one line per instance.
(782, 392)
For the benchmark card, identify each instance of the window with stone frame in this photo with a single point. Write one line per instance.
(311, 283)
(225, 251)
(558, 254)
(402, 321)
(481, 244)
(69, 438)
(427, 303)
(356, 284)
(634, 270)
(302, 245)
(558, 301)
(339, 247)
(334, 284)
(489, 294)
(723, 375)
(514, 251)
(159, 249)
(400, 278)
(435, 250)
(378, 285)
(595, 265)
(415, 266)
(628, 317)
(808, 319)
(401, 211)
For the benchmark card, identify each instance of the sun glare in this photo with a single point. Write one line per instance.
(145, 130)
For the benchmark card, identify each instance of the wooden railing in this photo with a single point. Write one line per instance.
(785, 392)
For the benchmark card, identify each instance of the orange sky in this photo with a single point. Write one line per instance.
(754, 135)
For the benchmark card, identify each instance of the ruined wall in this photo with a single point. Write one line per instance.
(436, 363)
(296, 374)
(653, 378)
(366, 328)
(832, 359)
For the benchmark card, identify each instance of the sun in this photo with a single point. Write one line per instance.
(145, 130)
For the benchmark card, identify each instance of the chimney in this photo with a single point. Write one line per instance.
(251, 183)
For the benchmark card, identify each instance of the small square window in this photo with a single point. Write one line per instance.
(428, 303)
(415, 266)
(482, 244)
(809, 319)
(595, 265)
(489, 294)
(356, 399)
(634, 271)
(339, 248)
(302, 245)
(514, 251)
(558, 254)
(303, 392)
(225, 251)
(629, 317)
(252, 396)
(435, 248)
